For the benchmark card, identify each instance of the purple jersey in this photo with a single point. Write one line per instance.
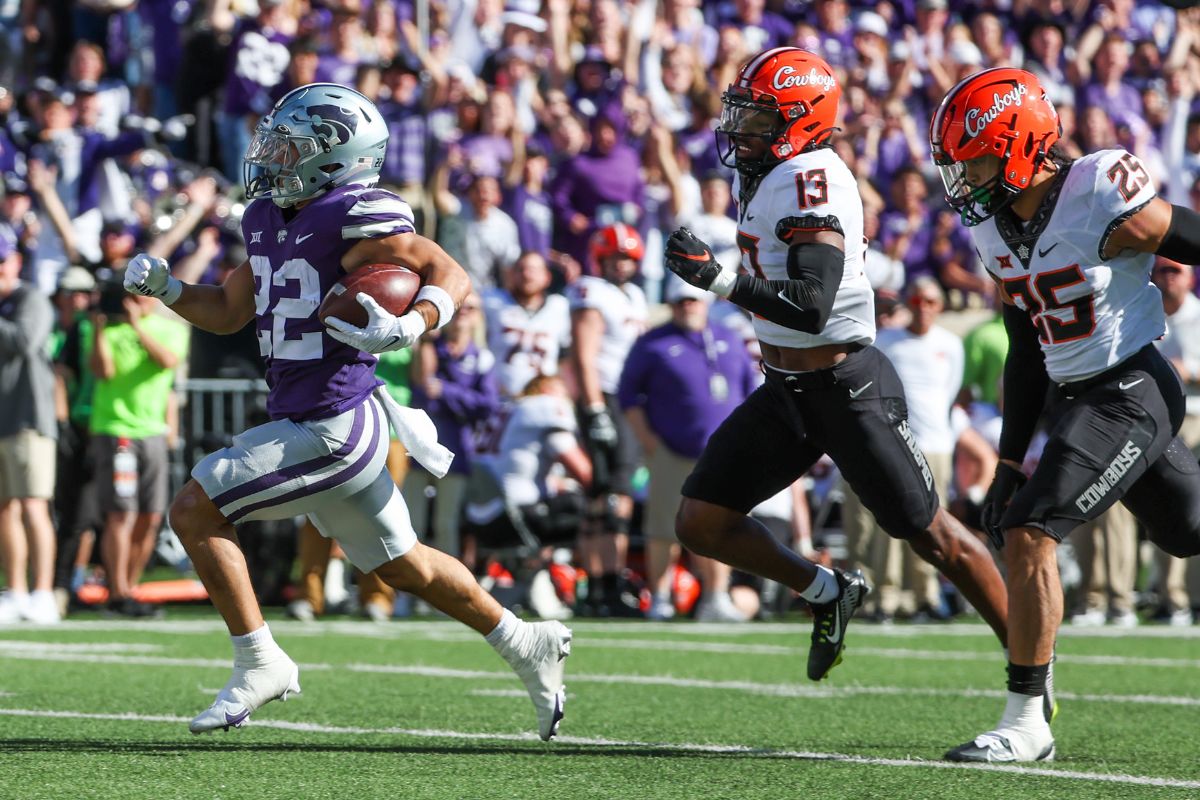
(296, 260)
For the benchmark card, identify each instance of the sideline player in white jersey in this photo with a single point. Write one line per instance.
(827, 390)
(1071, 245)
(527, 328)
(608, 313)
(314, 216)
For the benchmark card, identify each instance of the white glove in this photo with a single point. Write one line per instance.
(150, 276)
(383, 331)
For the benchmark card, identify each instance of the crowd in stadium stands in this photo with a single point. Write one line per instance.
(519, 129)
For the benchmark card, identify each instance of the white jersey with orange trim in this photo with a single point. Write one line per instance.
(623, 309)
(526, 343)
(811, 186)
(1091, 312)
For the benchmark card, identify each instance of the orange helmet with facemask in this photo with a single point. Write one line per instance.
(786, 97)
(618, 239)
(1002, 112)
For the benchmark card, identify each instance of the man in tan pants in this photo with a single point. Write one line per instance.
(1181, 345)
(1106, 549)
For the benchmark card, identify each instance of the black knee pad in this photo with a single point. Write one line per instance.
(607, 516)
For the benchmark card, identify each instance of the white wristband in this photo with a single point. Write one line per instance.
(172, 291)
(723, 283)
(441, 301)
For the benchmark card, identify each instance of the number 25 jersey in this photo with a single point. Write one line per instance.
(814, 189)
(1091, 312)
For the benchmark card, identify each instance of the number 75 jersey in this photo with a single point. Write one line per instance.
(1091, 312)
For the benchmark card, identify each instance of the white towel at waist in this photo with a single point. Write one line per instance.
(417, 433)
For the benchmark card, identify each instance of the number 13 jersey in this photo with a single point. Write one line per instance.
(1091, 312)
(813, 190)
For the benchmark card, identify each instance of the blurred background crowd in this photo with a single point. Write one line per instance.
(521, 131)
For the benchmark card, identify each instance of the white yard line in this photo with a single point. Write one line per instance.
(600, 743)
(398, 629)
(746, 687)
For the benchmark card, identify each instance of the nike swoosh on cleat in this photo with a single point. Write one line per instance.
(237, 719)
(835, 635)
(1125, 386)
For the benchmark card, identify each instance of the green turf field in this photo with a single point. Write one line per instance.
(99, 708)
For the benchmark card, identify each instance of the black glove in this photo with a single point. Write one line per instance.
(601, 430)
(691, 259)
(1008, 482)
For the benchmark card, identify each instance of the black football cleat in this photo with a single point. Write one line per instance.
(830, 621)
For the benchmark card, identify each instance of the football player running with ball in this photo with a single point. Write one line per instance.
(314, 217)
(827, 389)
(1071, 245)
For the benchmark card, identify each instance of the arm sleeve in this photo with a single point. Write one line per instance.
(375, 214)
(1182, 240)
(804, 301)
(1025, 384)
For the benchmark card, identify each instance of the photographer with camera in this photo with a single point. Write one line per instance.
(134, 359)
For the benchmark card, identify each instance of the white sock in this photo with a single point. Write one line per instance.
(823, 589)
(254, 648)
(501, 635)
(1023, 711)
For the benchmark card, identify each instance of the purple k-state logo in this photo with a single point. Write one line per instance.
(337, 125)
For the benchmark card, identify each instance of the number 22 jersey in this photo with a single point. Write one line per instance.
(296, 259)
(1091, 312)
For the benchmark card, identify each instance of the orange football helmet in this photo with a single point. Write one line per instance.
(617, 239)
(1003, 112)
(787, 97)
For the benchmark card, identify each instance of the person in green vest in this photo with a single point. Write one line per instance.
(135, 356)
(375, 597)
(71, 343)
(984, 351)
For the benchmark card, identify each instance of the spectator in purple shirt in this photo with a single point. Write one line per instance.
(600, 187)
(340, 61)
(679, 383)
(763, 29)
(1108, 89)
(529, 204)
(453, 380)
(836, 32)
(258, 60)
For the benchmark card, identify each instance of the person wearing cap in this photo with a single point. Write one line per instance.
(680, 381)
(75, 506)
(27, 434)
(76, 158)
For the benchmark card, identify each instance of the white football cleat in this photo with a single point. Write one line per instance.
(248, 689)
(538, 658)
(41, 609)
(1006, 746)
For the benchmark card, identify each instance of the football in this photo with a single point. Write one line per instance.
(392, 286)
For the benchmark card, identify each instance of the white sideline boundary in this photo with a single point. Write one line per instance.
(401, 628)
(459, 636)
(747, 687)
(699, 749)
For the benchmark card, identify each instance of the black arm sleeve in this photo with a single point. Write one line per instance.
(1182, 240)
(1025, 384)
(803, 302)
